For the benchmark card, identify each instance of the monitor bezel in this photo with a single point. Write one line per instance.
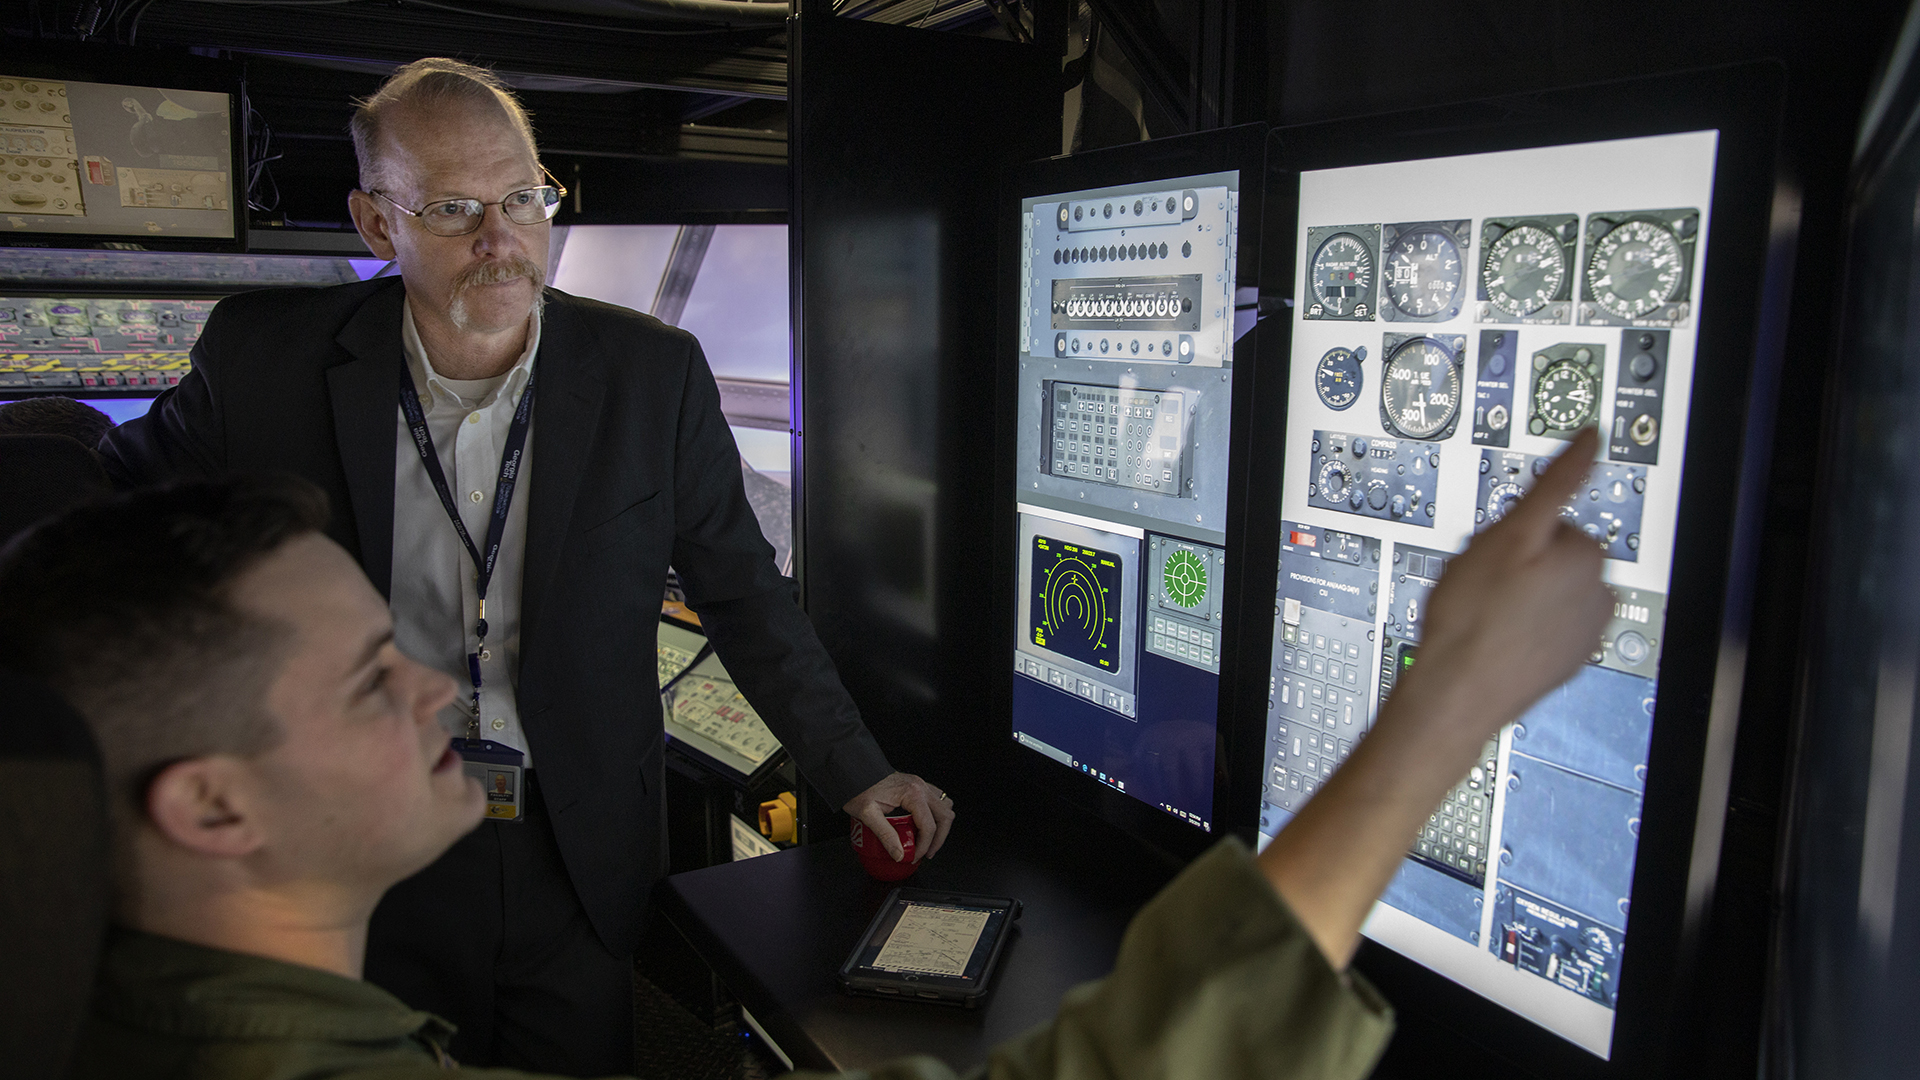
(1242, 149)
(165, 70)
(1676, 871)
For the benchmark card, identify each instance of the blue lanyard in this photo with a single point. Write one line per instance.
(502, 501)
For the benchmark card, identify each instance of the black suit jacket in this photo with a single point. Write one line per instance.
(636, 470)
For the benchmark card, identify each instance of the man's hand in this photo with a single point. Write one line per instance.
(931, 809)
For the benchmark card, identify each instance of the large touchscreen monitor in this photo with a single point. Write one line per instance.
(1457, 320)
(1126, 385)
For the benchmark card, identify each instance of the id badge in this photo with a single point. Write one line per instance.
(499, 770)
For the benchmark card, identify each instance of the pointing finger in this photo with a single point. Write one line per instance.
(1537, 518)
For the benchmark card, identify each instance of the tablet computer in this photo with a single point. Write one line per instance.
(931, 946)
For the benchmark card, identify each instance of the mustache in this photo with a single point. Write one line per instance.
(498, 271)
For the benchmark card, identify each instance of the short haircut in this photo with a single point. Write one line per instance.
(54, 415)
(124, 606)
(425, 84)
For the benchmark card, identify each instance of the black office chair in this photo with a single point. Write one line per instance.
(41, 475)
(53, 875)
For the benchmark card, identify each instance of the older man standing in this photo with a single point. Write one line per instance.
(533, 578)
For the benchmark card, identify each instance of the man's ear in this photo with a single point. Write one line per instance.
(372, 224)
(200, 804)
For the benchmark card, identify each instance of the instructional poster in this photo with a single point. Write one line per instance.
(1459, 320)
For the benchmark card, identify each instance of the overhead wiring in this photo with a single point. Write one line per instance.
(740, 16)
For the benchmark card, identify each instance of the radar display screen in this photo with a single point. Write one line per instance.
(1584, 263)
(1076, 602)
(1185, 579)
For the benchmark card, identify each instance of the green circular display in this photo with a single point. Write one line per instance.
(1185, 577)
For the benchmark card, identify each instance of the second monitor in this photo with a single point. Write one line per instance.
(1125, 395)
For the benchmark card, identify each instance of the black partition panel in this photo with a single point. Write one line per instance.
(898, 139)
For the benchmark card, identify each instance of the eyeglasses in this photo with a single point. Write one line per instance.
(458, 217)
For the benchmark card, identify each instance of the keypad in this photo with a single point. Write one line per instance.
(1318, 705)
(1455, 836)
(1182, 641)
(1124, 438)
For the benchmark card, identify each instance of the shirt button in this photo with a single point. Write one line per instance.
(499, 724)
(474, 496)
(486, 654)
(473, 418)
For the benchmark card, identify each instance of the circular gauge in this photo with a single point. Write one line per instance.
(1524, 270)
(1635, 269)
(1336, 483)
(1185, 578)
(1338, 379)
(1343, 275)
(1420, 389)
(1423, 275)
(1500, 499)
(1566, 396)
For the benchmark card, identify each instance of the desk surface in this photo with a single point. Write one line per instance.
(776, 929)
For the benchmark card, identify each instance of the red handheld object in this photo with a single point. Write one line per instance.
(873, 854)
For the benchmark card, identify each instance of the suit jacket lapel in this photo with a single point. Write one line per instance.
(365, 395)
(568, 389)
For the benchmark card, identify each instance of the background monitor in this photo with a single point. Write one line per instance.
(1125, 369)
(1467, 298)
(112, 161)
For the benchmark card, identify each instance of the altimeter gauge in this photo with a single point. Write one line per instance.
(1420, 385)
(1566, 389)
(1338, 379)
(1425, 273)
(1639, 268)
(1342, 272)
(1524, 268)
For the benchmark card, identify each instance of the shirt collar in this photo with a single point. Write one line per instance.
(164, 985)
(433, 388)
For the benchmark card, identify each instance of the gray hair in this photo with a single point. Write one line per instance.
(425, 84)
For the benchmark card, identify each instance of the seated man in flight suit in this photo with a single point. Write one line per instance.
(275, 766)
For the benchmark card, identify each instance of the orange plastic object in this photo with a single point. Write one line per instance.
(674, 609)
(777, 819)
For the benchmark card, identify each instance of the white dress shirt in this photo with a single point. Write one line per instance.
(435, 595)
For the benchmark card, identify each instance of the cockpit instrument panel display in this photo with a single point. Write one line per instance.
(1126, 385)
(105, 160)
(1480, 311)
